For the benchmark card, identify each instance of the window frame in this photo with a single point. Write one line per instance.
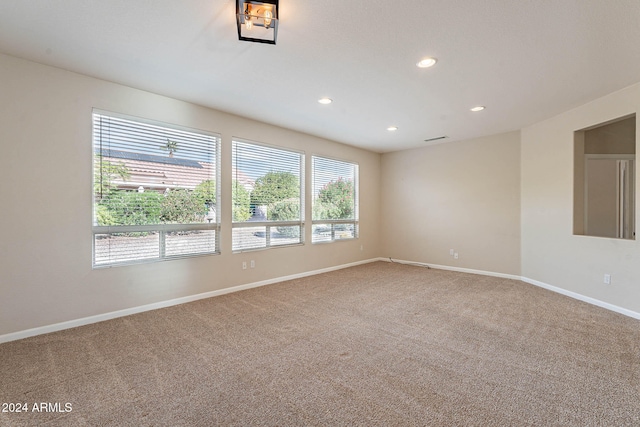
(162, 229)
(268, 225)
(334, 222)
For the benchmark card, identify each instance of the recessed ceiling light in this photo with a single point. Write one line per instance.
(478, 108)
(392, 128)
(325, 101)
(427, 62)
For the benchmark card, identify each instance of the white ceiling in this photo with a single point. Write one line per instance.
(526, 60)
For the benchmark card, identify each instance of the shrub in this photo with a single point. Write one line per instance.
(182, 207)
(326, 211)
(285, 210)
(104, 216)
(130, 208)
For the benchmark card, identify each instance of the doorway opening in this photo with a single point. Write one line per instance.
(604, 179)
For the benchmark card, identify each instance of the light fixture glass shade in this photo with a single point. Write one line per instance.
(257, 21)
(268, 17)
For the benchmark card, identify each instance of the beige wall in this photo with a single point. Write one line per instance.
(459, 195)
(551, 254)
(46, 193)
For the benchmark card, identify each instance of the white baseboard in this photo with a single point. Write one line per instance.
(162, 304)
(458, 269)
(583, 298)
(552, 288)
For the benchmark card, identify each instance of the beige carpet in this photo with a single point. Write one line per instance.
(375, 345)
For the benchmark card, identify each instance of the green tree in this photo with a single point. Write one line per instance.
(205, 192)
(170, 146)
(274, 187)
(104, 172)
(241, 202)
(335, 200)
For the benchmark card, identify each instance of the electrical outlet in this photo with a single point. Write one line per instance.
(607, 279)
(361, 248)
(244, 265)
(253, 264)
(455, 255)
(451, 251)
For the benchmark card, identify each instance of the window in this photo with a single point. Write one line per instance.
(268, 195)
(155, 194)
(604, 179)
(335, 200)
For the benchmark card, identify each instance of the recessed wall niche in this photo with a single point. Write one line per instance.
(604, 190)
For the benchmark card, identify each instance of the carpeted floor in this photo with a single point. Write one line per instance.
(375, 345)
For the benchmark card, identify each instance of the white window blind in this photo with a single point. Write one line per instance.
(335, 200)
(155, 194)
(268, 196)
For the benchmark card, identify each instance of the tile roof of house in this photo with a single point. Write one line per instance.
(128, 155)
(159, 172)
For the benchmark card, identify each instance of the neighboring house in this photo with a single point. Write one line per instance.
(159, 173)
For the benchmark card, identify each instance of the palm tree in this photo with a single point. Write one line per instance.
(171, 146)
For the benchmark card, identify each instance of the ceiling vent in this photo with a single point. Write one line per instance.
(436, 138)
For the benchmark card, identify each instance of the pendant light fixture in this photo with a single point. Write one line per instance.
(257, 21)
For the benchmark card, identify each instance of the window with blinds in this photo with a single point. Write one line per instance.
(268, 196)
(154, 191)
(335, 200)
